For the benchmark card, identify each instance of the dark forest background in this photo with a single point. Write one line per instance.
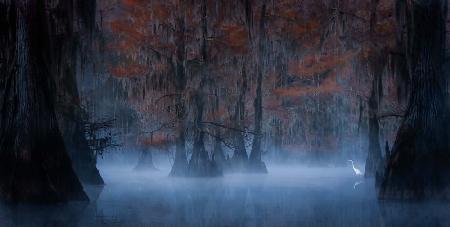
(223, 86)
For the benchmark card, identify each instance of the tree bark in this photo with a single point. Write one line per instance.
(218, 153)
(67, 46)
(374, 159)
(34, 165)
(376, 64)
(179, 167)
(199, 159)
(256, 164)
(419, 166)
(400, 61)
(240, 157)
(200, 165)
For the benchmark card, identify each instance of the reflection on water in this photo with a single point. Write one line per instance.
(285, 197)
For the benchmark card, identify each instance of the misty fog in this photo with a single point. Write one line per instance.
(288, 196)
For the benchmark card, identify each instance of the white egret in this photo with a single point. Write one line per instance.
(356, 170)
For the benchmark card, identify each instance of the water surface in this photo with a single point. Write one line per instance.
(287, 196)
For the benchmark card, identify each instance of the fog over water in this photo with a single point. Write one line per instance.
(287, 196)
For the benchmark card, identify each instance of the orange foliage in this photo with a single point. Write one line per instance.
(300, 30)
(132, 3)
(131, 32)
(160, 67)
(160, 12)
(327, 86)
(235, 37)
(312, 65)
(129, 71)
(289, 14)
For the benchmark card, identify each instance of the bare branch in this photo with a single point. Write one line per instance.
(227, 127)
(161, 127)
(386, 115)
(166, 96)
(221, 139)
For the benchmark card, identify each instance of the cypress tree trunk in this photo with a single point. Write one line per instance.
(278, 139)
(199, 159)
(145, 161)
(34, 165)
(240, 157)
(419, 166)
(179, 167)
(376, 65)
(374, 161)
(67, 47)
(200, 165)
(256, 164)
(218, 155)
(400, 61)
(84, 160)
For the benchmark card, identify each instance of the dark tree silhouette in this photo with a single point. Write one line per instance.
(200, 164)
(179, 167)
(376, 65)
(65, 52)
(419, 166)
(240, 157)
(256, 164)
(34, 165)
